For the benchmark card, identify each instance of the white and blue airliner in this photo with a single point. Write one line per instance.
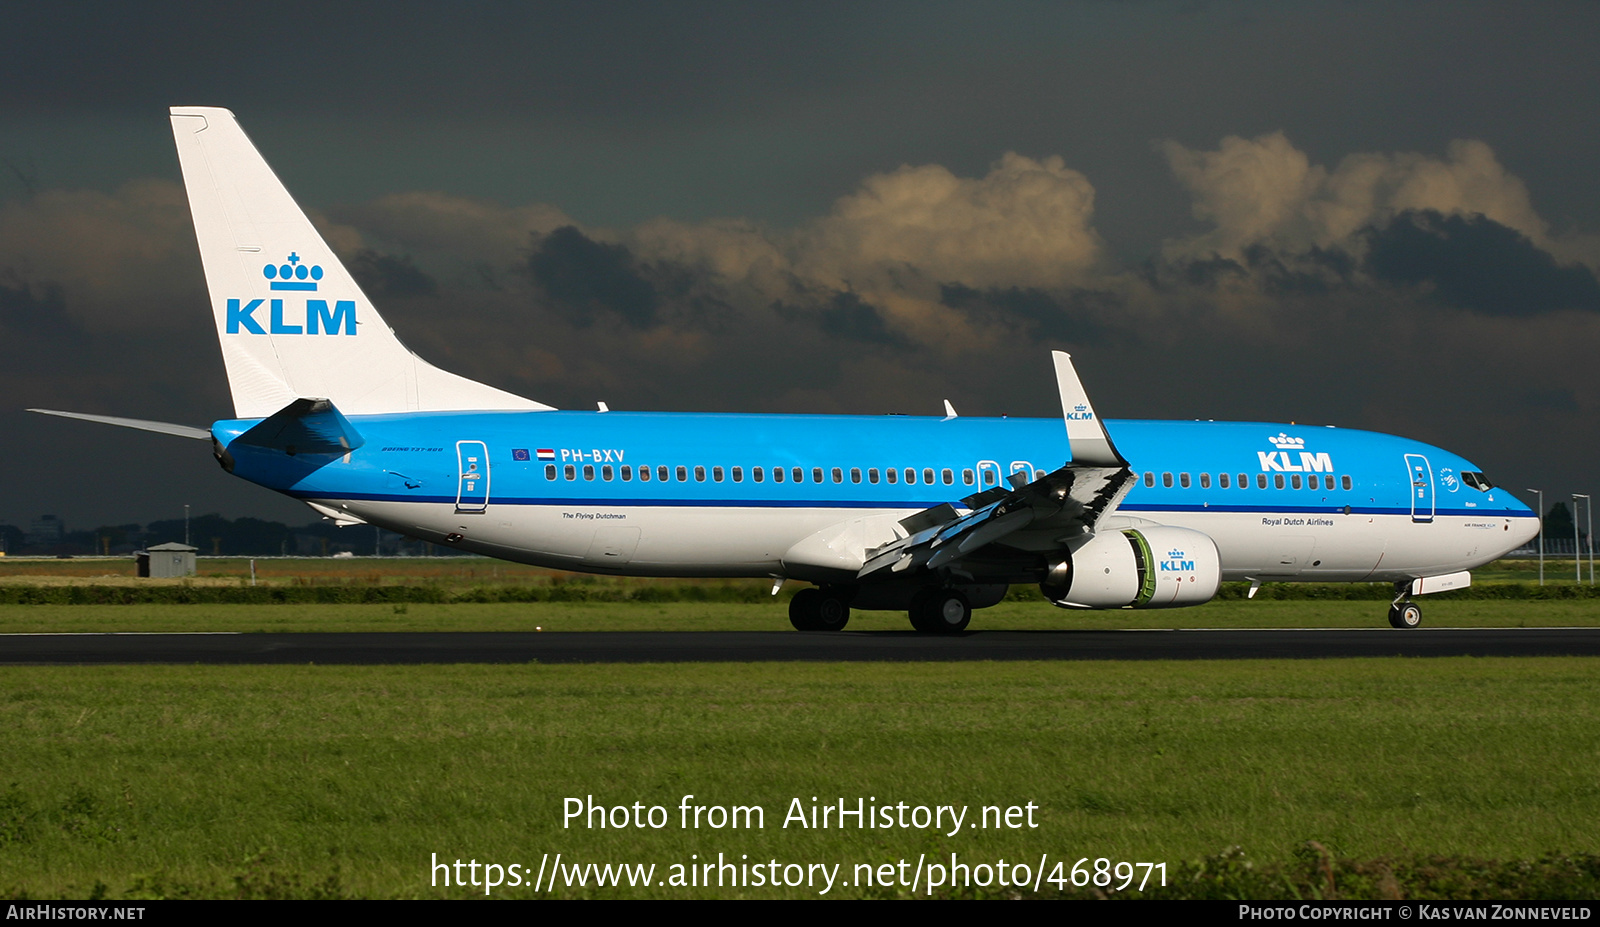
(935, 516)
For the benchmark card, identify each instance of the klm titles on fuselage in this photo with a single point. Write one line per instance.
(1289, 450)
(319, 318)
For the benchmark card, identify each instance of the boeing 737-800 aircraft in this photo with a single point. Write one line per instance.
(935, 516)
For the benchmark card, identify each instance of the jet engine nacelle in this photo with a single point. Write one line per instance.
(1154, 567)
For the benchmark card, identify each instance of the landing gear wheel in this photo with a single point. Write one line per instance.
(940, 611)
(818, 610)
(1405, 615)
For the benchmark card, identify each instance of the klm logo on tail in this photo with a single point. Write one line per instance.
(1080, 413)
(318, 317)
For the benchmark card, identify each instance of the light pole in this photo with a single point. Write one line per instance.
(1577, 554)
(1541, 533)
(1589, 516)
(185, 525)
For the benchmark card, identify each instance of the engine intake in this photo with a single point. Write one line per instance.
(1159, 567)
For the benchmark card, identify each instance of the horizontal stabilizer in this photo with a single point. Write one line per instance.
(305, 426)
(165, 428)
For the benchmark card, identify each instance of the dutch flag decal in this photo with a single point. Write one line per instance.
(546, 453)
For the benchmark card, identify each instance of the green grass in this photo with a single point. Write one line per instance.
(766, 614)
(343, 780)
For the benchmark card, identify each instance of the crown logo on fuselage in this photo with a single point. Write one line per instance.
(1282, 440)
(293, 275)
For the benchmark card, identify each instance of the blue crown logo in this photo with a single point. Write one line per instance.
(292, 275)
(1175, 554)
(1079, 407)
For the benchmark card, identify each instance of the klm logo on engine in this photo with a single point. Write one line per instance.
(1291, 457)
(1080, 413)
(314, 318)
(1175, 563)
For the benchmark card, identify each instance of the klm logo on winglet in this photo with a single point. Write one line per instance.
(1080, 413)
(318, 318)
(1176, 564)
(1303, 461)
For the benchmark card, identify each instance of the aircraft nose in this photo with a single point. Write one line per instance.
(1523, 530)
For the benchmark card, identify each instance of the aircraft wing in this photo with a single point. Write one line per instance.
(1066, 502)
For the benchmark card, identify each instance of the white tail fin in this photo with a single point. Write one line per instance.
(292, 321)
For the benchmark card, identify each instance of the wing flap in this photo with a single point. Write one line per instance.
(1070, 500)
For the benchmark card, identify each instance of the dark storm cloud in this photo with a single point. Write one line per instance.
(1473, 262)
(846, 316)
(1070, 316)
(584, 278)
(383, 275)
(30, 320)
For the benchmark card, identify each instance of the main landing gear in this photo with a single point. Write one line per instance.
(933, 610)
(822, 609)
(940, 611)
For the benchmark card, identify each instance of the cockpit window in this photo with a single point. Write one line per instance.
(1477, 481)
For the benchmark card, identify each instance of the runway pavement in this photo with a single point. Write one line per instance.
(785, 646)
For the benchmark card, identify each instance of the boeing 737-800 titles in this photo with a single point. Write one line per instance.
(935, 516)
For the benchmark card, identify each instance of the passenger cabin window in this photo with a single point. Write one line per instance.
(606, 473)
(661, 473)
(627, 473)
(549, 471)
(966, 477)
(588, 471)
(777, 474)
(1261, 480)
(816, 474)
(855, 474)
(1183, 480)
(1222, 481)
(872, 474)
(1205, 481)
(838, 475)
(798, 474)
(1277, 480)
(1149, 478)
(699, 474)
(716, 474)
(911, 475)
(1345, 482)
(758, 474)
(927, 475)
(1244, 481)
(644, 473)
(738, 474)
(892, 475)
(948, 476)
(683, 474)
(1295, 481)
(1166, 480)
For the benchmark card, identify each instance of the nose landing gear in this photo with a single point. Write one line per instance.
(1404, 614)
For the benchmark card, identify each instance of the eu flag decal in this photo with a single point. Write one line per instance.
(519, 453)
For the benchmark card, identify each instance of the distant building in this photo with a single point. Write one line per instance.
(46, 531)
(165, 561)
